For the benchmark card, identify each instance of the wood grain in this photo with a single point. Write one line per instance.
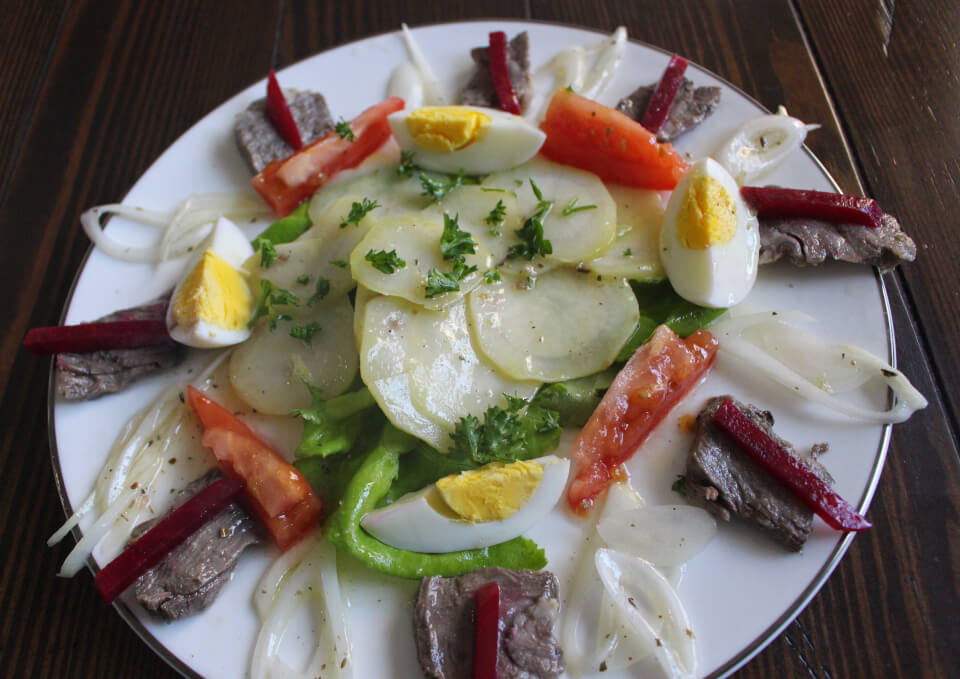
(96, 89)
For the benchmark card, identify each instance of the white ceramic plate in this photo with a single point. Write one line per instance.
(739, 593)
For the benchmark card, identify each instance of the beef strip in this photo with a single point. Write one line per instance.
(445, 629)
(89, 375)
(725, 481)
(690, 107)
(480, 90)
(259, 140)
(811, 241)
(190, 577)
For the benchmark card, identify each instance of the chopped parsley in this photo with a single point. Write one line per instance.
(439, 282)
(305, 332)
(536, 190)
(494, 231)
(455, 242)
(497, 214)
(303, 280)
(531, 233)
(680, 485)
(358, 211)
(321, 291)
(517, 432)
(343, 129)
(492, 276)
(339, 262)
(572, 207)
(436, 186)
(385, 262)
(407, 166)
(267, 252)
(628, 252)
(569, 88)
(270, 295)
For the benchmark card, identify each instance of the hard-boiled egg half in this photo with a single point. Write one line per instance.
(212, 304)
(469, 138)
(709, 241)
(473, 509)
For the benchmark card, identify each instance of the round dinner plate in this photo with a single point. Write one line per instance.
(739, 593)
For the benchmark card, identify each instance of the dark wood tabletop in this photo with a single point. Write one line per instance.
(94, 90)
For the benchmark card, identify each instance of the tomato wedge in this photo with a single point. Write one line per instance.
(276, 492)
(655, 378)
(286, 183)
(599, 139)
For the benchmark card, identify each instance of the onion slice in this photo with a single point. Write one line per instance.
(761, 144)
(433, 94)
(665, 535)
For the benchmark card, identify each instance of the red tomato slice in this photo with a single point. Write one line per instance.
(599, 139)
(286, 183)
(655, 378)
(276, 492)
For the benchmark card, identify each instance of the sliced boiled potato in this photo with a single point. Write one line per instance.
(580, 234)
(421, 368)
(569, 324)
(474, 205)
(267, 371)
(635, 254)
(307, 260)
(416, 240)
(396, 194)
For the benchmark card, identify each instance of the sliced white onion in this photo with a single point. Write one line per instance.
(761, 144)
(907, 399)
(72, 521)
(606, 64)
(272, 579)
(90, 220)
(84, 548)
(646, 600)
(665, 535)
(433, 94)
(405, 83)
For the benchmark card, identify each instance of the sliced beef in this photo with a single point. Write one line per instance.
(259, 140)
(87, 376)
(810, 242)
(190, 577)
(480, 90)
(528, 610)
(691, 106)
(725, 481)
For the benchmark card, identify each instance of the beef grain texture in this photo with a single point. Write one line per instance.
(726, 482)
(690, 107)
(480, 90)
(259, 140)
(444, 625)
(190, 577)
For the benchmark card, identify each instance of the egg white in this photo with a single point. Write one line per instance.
(509, 141)
(412, 522)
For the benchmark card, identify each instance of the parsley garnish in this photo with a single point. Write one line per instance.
(492, 276)
(572, 207)
(305, 332)
(358, 211)
(386, 262)
(569, 88)
(267, 253)
(628, 252)
(490, 189)
(407, 167)
(455, 242)
(536, 190)
(531, 233)
(322, 290)
(439, 282)
(680, 485)
(271, 295)
(497, 214)
(517, 432)
(437, 186)
(303, 280)
(343, 129)
(493, 231)
(339, 262)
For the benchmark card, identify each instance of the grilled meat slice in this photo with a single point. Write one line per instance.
(811, 241)
(190, 577)
(726, 482)
(691, 106)
(259, 140)
(480, 90)
(528, 610)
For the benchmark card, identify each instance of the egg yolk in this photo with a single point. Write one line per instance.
(708, 215)
(216, 293)
(493, 492)
(443, 129)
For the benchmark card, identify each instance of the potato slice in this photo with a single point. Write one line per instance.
(422, 369)
(579, 235)
(416, 239)
(474, 205)
(569, 324)
(635, 254)
(395, 194)
(267, 369)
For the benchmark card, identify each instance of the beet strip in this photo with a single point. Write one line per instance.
(501, 75)
(151, 548)
(86, 337)
(280, 114)
(773, 201)
(658, 106)
(790, 471)
(486, 638)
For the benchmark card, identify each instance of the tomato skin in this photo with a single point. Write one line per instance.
(286, 183)
(599, 139)
(276, 492)
(656, 377)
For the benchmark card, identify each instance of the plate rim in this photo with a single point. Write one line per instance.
(736, 662)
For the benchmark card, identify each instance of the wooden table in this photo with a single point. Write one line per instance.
(94, 90)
